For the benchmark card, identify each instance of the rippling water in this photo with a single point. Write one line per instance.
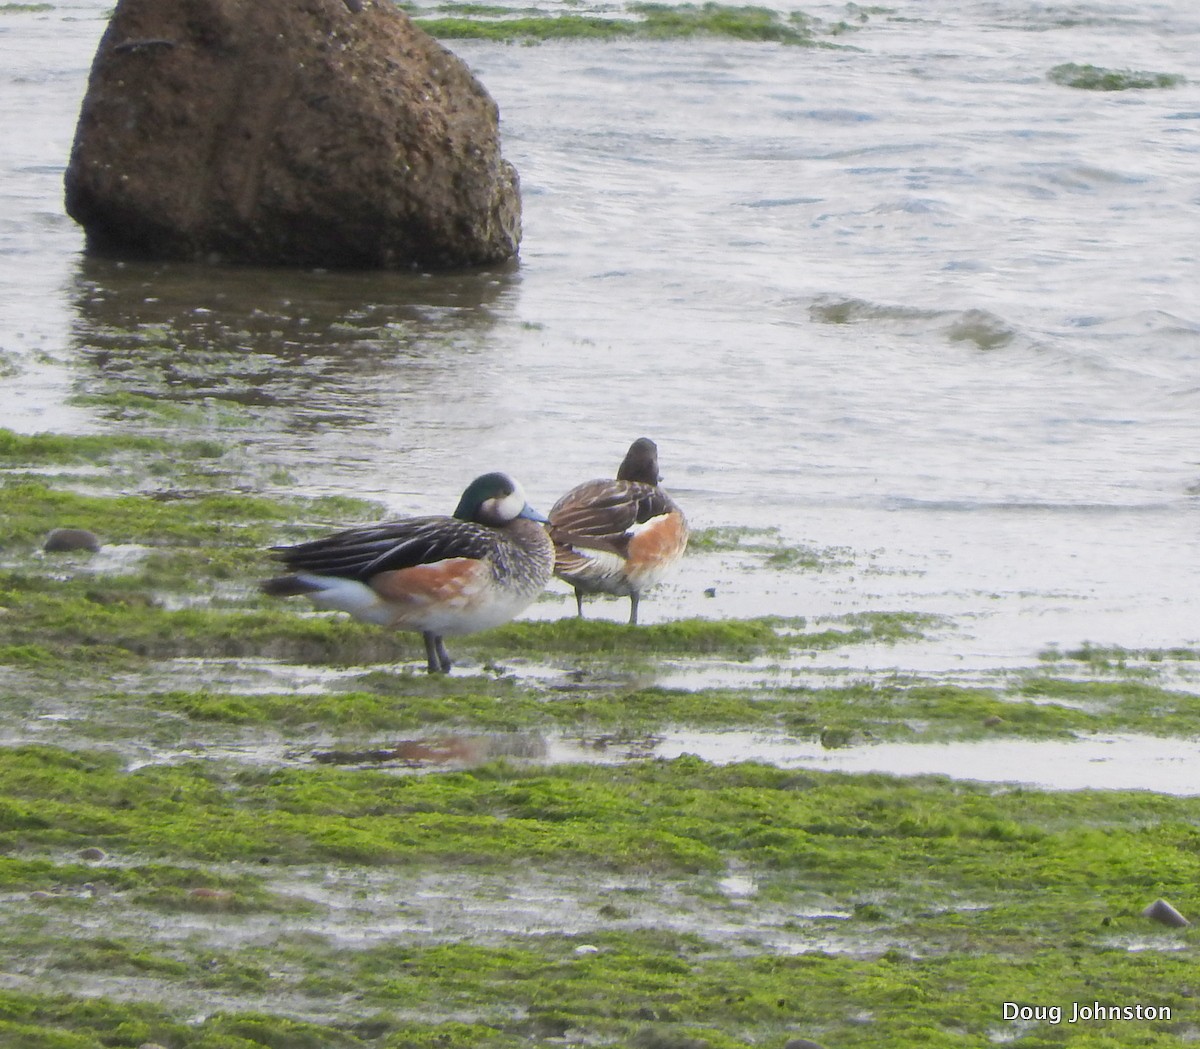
(906, 297)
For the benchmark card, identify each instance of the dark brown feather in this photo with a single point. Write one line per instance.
(360, 553)
(598, 515)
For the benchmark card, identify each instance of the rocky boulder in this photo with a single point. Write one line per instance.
(294, 132)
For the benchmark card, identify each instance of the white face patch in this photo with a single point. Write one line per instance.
(505, 508)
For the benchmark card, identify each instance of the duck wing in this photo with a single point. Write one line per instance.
(602, 515)
(360, 553)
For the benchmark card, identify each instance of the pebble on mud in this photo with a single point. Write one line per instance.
(832, 738)
(1161, 911)
(211, 897)
(92, 854)
(656, 1039)
(64, 540)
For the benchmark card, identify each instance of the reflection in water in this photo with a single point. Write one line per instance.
(444, 750)
(174, 316)
(267, 353)
(1116, 762)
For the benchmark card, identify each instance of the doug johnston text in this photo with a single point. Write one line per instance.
(1096, 1011)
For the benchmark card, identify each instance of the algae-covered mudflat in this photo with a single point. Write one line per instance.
(232, 823)
(897, 758)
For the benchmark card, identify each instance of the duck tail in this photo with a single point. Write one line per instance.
(289, 586)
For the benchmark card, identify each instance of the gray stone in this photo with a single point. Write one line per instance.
(1161, 911)
(293, 132)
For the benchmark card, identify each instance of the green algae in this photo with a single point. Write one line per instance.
(200, 540)
(34, 506)
(652, 21)
(740, 639)
(1096, 78)
(767, 546)
(28, 449)
(727, 537)
(884, 911)
(86, 622)
(1117, 658)
(203, 499)
(528, 28)
(1031, 707)
(489, 10)
(682, 815)
(208, 413)
(741, 23)
(126, 612)
(410, 701)
(200, 535)
(51, 624)
(936, 1002)
(969, 896)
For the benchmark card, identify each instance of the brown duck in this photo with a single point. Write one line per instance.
(618, 536)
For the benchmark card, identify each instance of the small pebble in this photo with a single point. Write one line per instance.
(587, 948)
(212, 899)
(41, 894)
(92, 854)
(203, 893)
(66, 539)
(832, 738)
(802, 1043)
(1161, 911)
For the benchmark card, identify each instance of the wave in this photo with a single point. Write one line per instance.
(984, 329)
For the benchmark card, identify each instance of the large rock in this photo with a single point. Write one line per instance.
(298, 132)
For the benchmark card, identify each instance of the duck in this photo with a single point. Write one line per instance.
(619, 536)
(437, 576)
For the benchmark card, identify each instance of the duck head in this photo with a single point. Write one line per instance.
(495, 499)
(640, 462)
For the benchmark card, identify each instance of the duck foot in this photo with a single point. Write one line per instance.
(437, 658)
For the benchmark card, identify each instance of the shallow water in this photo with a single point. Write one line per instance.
(910, 299)
(1096, 762)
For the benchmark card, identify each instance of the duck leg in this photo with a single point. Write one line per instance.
(437, 658)
(578, 602)
(633, 607)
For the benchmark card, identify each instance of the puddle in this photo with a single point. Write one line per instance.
(444, 750)
(1109, 762)
(1101, 762)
